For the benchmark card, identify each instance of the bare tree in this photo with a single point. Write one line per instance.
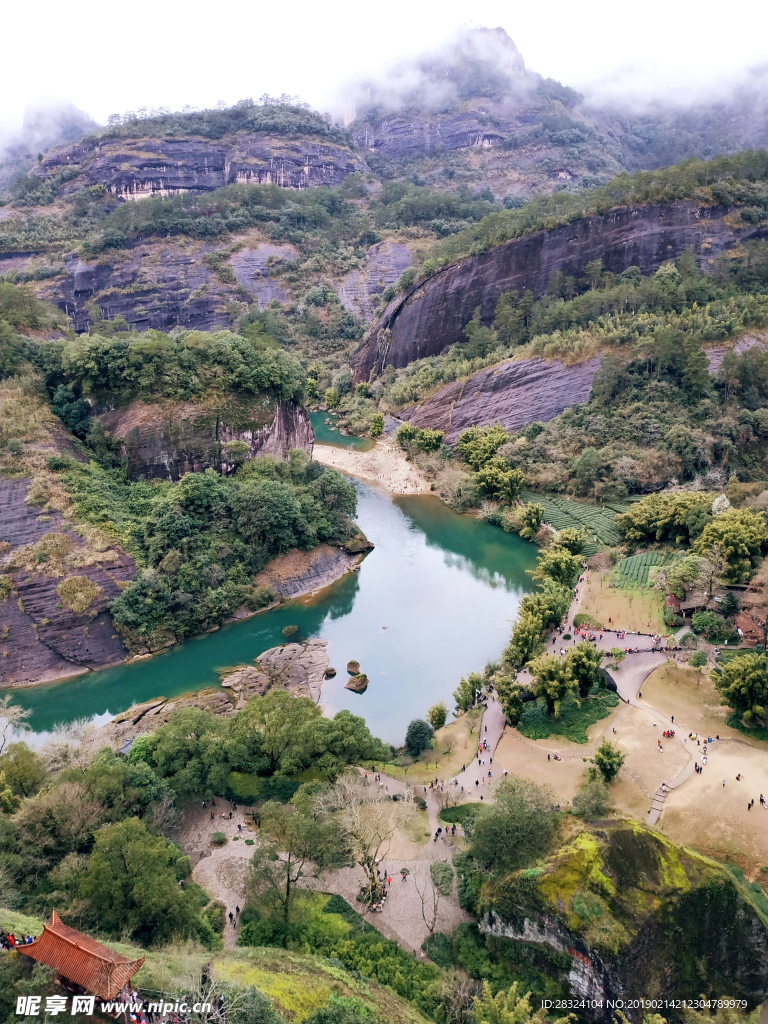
(164, 813)
(12, 719)
(434, 886)
(449, 742)
(448, 797)
(366, 817)
(474, 717)
(71, 745)
(456, 996)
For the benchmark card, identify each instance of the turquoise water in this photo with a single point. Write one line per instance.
(434, 600)
(324, 434)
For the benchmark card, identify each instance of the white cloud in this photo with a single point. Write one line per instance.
(107, 58)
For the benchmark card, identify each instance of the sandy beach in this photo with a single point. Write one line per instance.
(385, 465)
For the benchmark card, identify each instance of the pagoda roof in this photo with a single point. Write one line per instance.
(81, 959)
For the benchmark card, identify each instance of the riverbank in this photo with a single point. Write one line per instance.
(385, 465)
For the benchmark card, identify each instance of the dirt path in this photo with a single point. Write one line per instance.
(385, 465)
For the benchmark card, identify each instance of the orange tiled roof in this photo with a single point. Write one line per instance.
(79, 958)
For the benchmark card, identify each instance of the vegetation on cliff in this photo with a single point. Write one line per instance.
(727, 180)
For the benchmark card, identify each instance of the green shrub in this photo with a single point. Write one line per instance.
(585, 619)
(714, 628)
(218, 839)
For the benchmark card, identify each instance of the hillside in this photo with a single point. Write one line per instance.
(630, 914)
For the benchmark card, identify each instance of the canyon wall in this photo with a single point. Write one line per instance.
(167, 441)
(42, 639)
(135, 168)
(431, 316)
(512, 393)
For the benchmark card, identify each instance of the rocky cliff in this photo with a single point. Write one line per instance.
(41, 637)
(167, 441)
(431, 316)
(134, 168)
(632, 916)
(513, 393)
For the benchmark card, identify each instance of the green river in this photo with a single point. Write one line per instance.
(433, 601)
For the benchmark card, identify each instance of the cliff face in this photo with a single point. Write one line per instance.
(134, 168)
(638, 917)
(513, 393)
(169, 441)
(431, 317)
(42, 639)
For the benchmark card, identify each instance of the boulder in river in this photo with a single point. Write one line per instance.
(353, 667)
(358, 683)
(330, 672)
(290, 630)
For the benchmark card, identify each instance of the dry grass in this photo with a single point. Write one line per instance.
(55, 554)
(78, 593)
(627, 609)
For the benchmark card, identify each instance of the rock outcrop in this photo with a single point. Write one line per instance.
(41, 639)
(512, 393)
(431, 316)
(360, 291)
(630, 915)
(300, 572)
(135, 168)
(167, 441)
(297, 668)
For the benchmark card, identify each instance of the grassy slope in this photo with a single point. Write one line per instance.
(297, 984)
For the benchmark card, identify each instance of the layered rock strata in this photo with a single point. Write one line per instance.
(432, 315)
(41, 639)
(135, 168)
(169, 441)
(513, 393)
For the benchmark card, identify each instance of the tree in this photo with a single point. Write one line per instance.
(132, 883)
(297, 839)
(582, 663)
(478, 445)
(465, 692)
(592, 800)
(510, 695)
(406, 433)
(418, 737)
(526, 639)
(698, 659)
(12, 719)
(499, 481)
(552, 680)
(511, 1007)
(9, 801)
(572, 538)
(679, 516)
(432, 888)
(715, 628)
(518, 827)
(437, 715)
(376, 428)
(366, 817)
(430, 440)
(740, 533)
(608, 760)
(532, 518)
(189, 750)
(696, 381)
(558, 564)
(24, 769)
(743, 686)
(332, 399)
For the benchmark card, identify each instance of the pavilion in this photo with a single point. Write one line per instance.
(81, 959)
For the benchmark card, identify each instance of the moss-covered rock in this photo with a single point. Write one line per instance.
(638, 915)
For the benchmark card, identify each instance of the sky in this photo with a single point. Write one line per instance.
(109, 58)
